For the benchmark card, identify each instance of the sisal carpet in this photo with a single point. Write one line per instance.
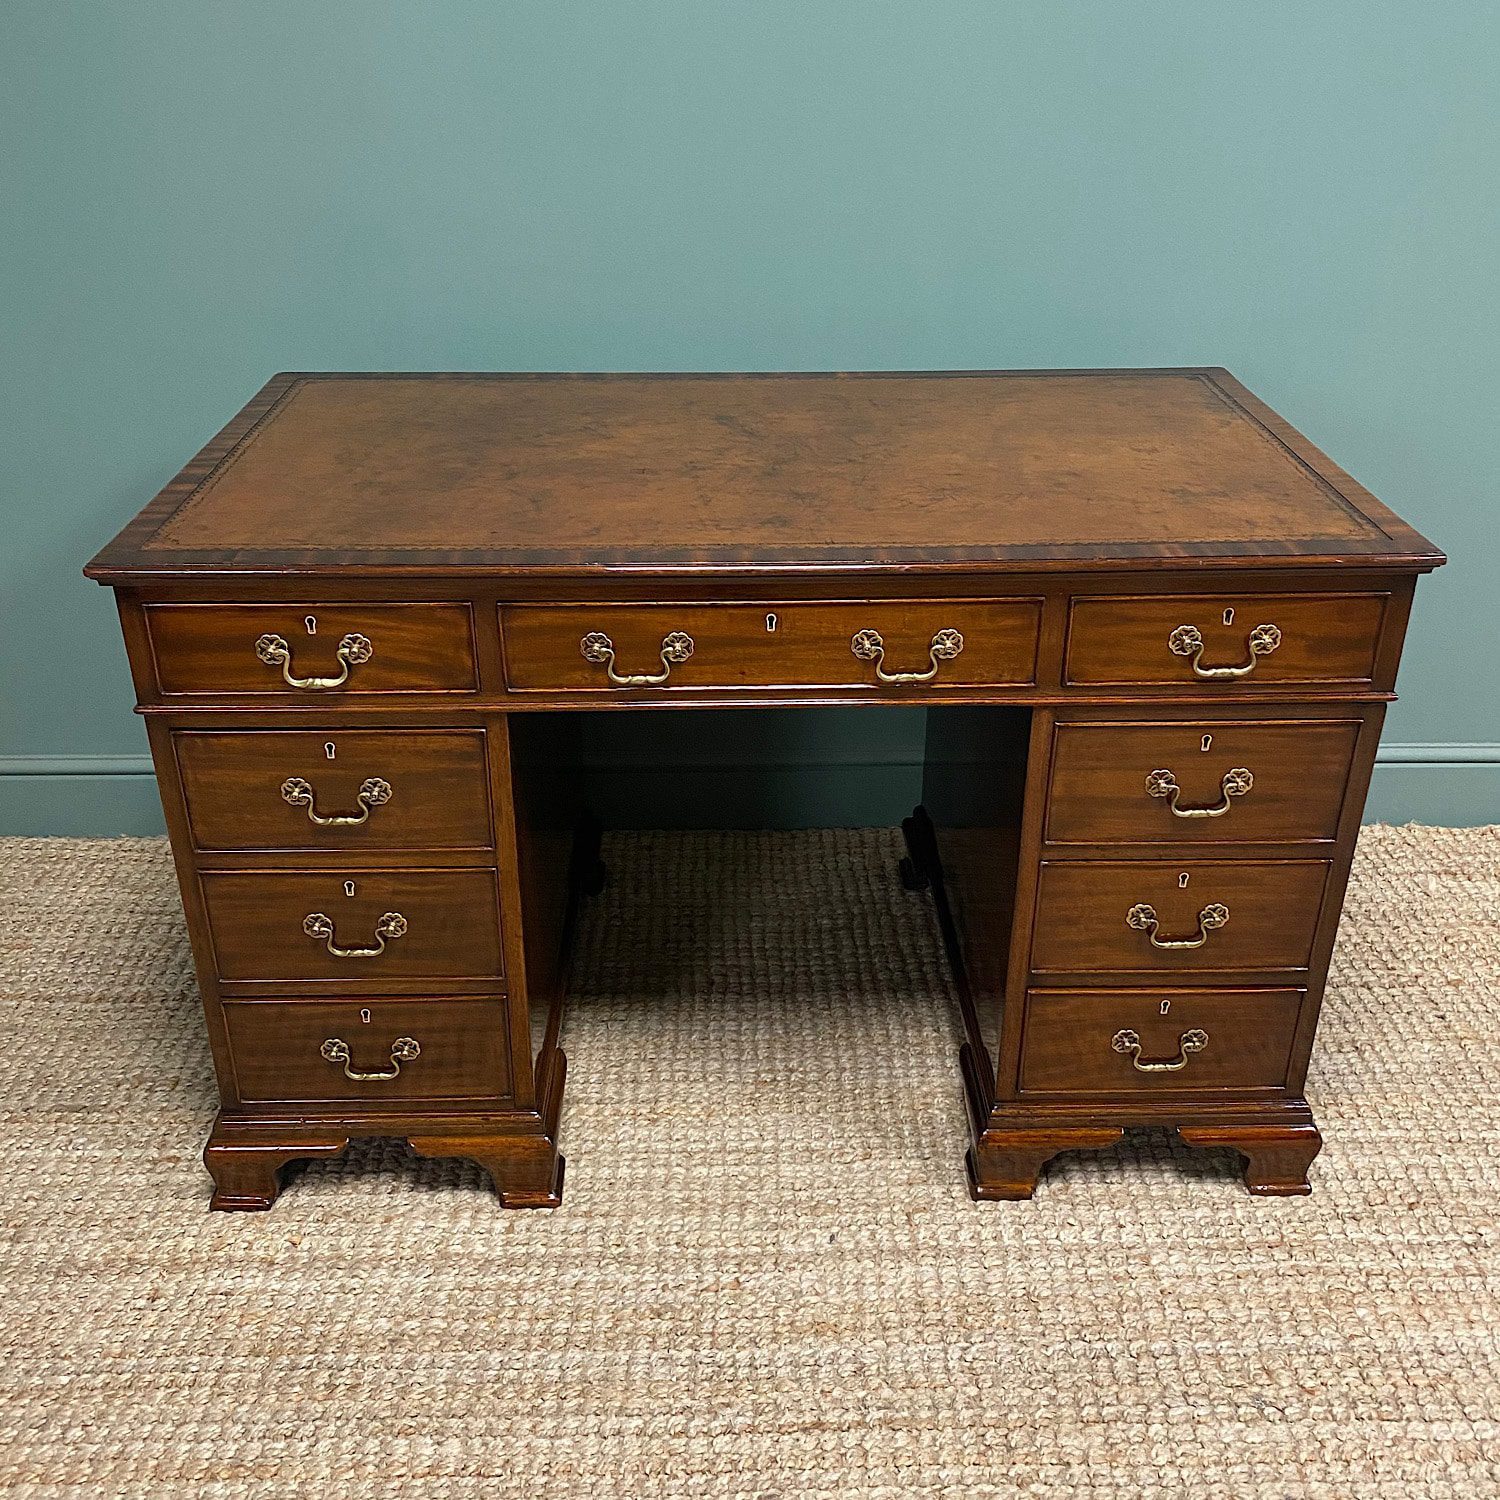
(766, 1279)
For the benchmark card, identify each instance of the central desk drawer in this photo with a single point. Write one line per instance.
(335, 789)
(313, 651)
(1108, 916)
(353, 925)
(375, 1051)
(918, 644)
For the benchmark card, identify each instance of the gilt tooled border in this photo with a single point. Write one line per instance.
(1292, 457)
(159, 538)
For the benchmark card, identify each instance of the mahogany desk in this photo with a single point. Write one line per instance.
(1155, 631)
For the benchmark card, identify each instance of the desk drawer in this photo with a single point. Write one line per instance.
(312, 650)
(1110, 916)
(889, 645)
(397, 924)
(1224, 643)
(1157, 1041)
(305, 1052)
(336, 788)
(1207, 780)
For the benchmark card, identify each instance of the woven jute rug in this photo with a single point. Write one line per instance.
(766, 1278)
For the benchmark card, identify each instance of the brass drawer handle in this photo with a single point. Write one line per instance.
(352, 650)
(1142, 918)
(676, 647)
(392, 925)
(403, 1049)
(1233, 783)
(373, 792)
(868, 646)
(1187, 640)
(1188, 1043)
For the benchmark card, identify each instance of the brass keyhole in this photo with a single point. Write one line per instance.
(1182, 881)
(1166, 1005)
(1229, 616)
(771, 622)
(348, 887)
(364, 1015)
(311, 622)
(1208, 740)
(330, 749)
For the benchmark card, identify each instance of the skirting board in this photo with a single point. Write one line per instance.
(90, 796)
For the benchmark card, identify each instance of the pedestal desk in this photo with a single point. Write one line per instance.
(1154, 630)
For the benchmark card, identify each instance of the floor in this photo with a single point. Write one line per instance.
(766, 1279)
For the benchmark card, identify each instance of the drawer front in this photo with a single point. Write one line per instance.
(1205, 780)
(1224, 643)
(336, 789)
(945, 643)
(313, 651)
(305, 1052)
(398, 924)
(1158, 1041)
(1111, 916)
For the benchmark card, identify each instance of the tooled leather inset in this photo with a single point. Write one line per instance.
(578, 465)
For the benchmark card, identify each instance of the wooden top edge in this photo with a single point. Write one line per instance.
(1011, 569)
(286, 377)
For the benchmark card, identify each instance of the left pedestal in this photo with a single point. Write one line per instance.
(375, 916)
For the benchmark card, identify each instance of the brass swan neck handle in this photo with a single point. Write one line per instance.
(867, 645)
(352, 650)
(1187, 640)
(675, 647)
(1142, 918)
(403, 1049)
(1129, 1043)
(373, 792)
(388, 928)
(1233, 783)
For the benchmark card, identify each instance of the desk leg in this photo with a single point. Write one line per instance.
(1006, 1159)
(529, 1177)
(246, 1164)
(527, 1170)
(1276, 1156)
(1006, 1164)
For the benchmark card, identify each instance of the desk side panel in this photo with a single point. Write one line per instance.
(974, 789)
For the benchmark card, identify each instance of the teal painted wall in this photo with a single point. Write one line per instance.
(194, 194)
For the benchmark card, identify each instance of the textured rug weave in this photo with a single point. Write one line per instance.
(766, 1279)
